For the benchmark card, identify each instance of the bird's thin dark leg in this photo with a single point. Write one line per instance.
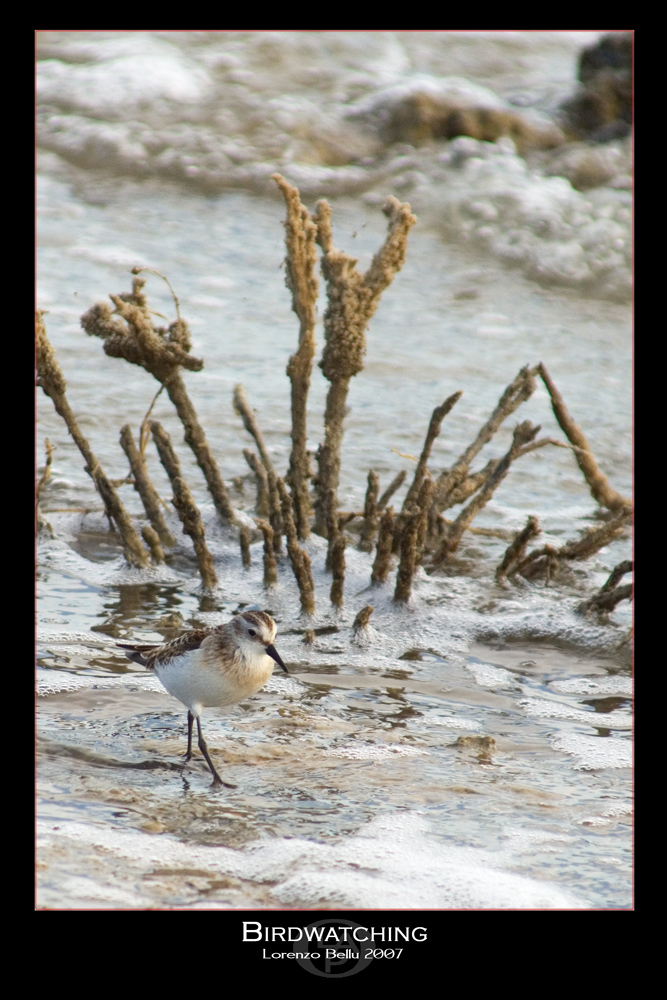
(217, 780)
(190, 721)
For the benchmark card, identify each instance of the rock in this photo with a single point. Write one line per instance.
(602, 108)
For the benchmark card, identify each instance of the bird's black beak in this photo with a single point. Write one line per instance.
(275, 655)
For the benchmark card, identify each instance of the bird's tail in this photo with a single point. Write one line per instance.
(135, 653)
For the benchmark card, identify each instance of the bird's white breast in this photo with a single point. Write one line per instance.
(202, 677)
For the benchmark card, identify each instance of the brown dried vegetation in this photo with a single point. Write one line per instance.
(419, 534)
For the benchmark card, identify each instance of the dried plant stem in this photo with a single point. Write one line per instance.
(270, 567)
(607, 602)
(145, 488)
(244, 542)
(370, 525)
(243, 408)
(275, 513)
(382, 563)
(262, 503)
(472, 482)
(465, 489)
(352, 300)
(46, 475)
(394, 485)
(595, 538)
(421, 471)
(301, 279)
(363, 617)
(546, 558)
(514, 395)
(338, 570)
(152, 539)
(185, 506)
(598, 483)
(145, 429)
(517, 550)
(616, 574)
(345, 516)
(162, 353)
(434, 427)
(609, 595)
(523, 434)
(328, 455)
(52, 381)
(408, 560)
(332, 522)
(424, 501)
(196, 440)
(415, 522)
(298, 556)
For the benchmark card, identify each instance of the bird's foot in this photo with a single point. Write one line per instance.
(217, 780)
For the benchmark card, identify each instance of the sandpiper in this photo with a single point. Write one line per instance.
(213, 667)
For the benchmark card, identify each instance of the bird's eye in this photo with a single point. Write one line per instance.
(251, 631)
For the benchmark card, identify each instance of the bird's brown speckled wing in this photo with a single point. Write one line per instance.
(150, 655)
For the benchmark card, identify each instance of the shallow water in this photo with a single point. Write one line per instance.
(472, 750)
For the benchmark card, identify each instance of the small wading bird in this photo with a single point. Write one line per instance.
(212, 667)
